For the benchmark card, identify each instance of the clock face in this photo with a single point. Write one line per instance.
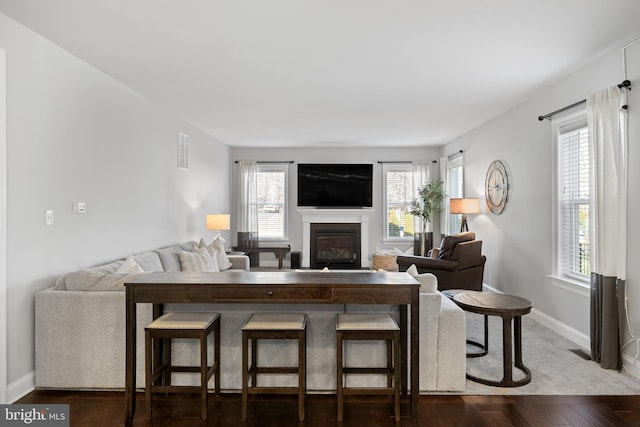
(496, 188)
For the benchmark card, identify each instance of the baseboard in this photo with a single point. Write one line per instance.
(555, 325)
(22, 387)
(582, 340)
(562, 329)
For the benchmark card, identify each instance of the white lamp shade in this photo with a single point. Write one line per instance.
(218, 222)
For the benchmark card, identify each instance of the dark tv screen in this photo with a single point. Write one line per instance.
(335, 185)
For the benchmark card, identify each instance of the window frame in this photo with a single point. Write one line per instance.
(387, 168)
(571, 122)
(271, 168)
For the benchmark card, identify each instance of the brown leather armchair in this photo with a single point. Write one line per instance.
(459, 263)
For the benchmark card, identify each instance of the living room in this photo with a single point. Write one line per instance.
(76, 134)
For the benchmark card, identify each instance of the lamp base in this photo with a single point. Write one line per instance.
(463, 225)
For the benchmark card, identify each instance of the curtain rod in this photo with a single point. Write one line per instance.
(271, 161)
(381, 162)
(624, 85)
(454, 154)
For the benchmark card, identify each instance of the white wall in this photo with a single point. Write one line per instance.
(519, 243)
(74, 133)
(337, 155)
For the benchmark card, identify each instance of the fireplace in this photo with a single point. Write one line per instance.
(335, 246)
(335, 217)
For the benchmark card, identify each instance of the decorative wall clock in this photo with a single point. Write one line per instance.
(496, 187)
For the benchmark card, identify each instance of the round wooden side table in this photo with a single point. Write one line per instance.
(509, 308)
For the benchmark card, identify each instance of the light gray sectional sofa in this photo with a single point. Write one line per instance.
(80, 334)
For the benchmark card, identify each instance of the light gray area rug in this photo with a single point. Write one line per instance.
(555, 369)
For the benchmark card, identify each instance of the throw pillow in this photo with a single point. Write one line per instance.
(129, 266)
(217, 251)
(428, 281)
(198, 261)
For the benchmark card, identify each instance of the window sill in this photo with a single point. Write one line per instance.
(576, 286)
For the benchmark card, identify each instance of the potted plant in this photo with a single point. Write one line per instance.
(428, 204)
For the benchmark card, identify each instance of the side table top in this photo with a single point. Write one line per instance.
(492, 303)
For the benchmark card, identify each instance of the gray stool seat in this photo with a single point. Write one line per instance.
(369, 326)
(267, 326)
(158, 364)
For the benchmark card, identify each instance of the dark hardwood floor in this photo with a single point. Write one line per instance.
(105, 409)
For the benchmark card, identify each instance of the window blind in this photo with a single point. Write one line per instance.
(574, 176)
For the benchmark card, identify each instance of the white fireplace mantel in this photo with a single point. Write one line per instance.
(360, 216)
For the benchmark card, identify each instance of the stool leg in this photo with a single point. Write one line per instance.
(397, 362)
(166, 345)
(390, 361)
(203, 376)
(148, 368)
(216, 355)
(245, 361)
(302, 345)
(253, 376)
(339, 376)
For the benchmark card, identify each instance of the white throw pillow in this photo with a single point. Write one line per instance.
(198, 260)
(428, 281)
(401, 252)
(129, 266)
(217, 251)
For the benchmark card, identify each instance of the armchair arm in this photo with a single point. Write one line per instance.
(425, 264)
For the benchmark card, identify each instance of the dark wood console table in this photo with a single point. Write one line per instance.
(276, 287)
(280, 251)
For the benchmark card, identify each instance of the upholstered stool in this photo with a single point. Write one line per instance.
(268, 326)
(365, 326)
(181, 325)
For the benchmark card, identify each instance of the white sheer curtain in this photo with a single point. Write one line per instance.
(445, 217)
(420, 178)
(608, 226)
(247, 196)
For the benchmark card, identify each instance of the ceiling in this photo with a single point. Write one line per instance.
(333, 72)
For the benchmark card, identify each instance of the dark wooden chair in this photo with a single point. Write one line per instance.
(158, 369)
(270, 326)
(365, 326)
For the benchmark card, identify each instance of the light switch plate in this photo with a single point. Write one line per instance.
(79, 207)
(48, 217)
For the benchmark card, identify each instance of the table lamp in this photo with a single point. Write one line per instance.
(219, 222)
(464, 207)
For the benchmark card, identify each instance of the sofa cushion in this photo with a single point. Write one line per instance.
(198, 260)
(98, 278)
(169, 257)
(149, 261)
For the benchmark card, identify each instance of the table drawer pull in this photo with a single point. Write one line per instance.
(270, 293)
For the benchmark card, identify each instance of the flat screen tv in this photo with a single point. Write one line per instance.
(335, 185)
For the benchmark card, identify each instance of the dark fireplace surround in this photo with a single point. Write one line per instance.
(335, 245)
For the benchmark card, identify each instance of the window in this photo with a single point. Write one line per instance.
(455, 189)
(573, 197)
(400, 187)
(272, 201)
